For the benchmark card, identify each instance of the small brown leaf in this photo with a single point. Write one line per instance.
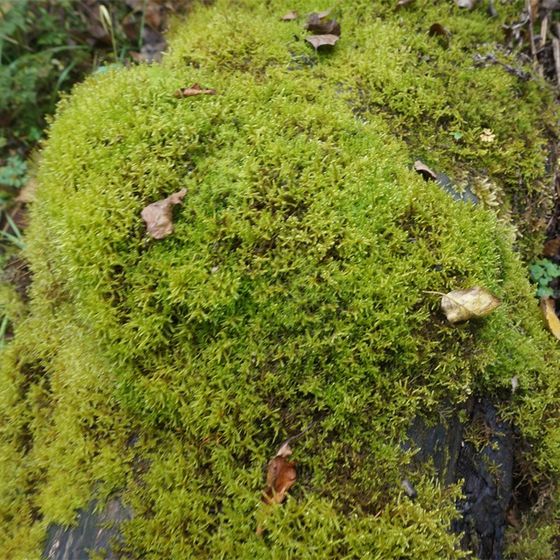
(319, 41)
(551, 247)
(403, 3)
(318, 25)
(290, 16)
(159, 215)
(548, 308)
(281, 476)
(424, 170)
(195, 89)
(462, 305)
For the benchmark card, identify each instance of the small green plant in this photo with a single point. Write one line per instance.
(543, 272)
(14, 172)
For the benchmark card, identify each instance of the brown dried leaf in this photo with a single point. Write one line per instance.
(462, 305)
(424, 170)
(534, 9)
(551, 247)
(159, 215)
(195, 89)
(318, 41)
(403, 3)
(548, 307)
(281, 476)
(318, 25)
(290, 16)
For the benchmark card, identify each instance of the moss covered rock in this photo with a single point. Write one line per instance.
(293, 292)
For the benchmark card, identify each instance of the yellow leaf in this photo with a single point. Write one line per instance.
(549, 312)
(462, 305)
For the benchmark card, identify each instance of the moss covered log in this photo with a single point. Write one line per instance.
(293, 292)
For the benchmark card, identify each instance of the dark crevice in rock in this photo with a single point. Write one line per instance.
(480, 452)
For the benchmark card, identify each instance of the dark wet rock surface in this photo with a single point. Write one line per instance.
(481, 453)
(487, 468)
(95, 531)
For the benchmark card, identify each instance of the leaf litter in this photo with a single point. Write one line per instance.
(318, 41)
(281, 475)
(195, 89)
(463, 305)
(425, 171)
(326, 31)
(548, 307)
(159, 215)
(474, 303)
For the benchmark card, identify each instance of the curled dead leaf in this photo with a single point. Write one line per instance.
(424, 170)
(548, 307)
(321, 41)
(316, 23)
(290, 16)
(281, 476)
(462, 305)
(159, 215)
(195, 89)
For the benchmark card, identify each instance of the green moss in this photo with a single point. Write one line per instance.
(293, 289)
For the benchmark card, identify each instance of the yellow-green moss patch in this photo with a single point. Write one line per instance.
(293, 289)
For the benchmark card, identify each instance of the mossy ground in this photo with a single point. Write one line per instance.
(293, 289)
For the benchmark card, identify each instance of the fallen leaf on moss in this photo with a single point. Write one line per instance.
(462, 305)
(403, 3)
(548, 306)
(159, 215)
(424, 170)
(280, 477)
(195, 89)
(318, 41)
(290, 16)
(551, 247)
(316, 23)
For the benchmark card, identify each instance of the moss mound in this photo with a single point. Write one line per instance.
(292, 291)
